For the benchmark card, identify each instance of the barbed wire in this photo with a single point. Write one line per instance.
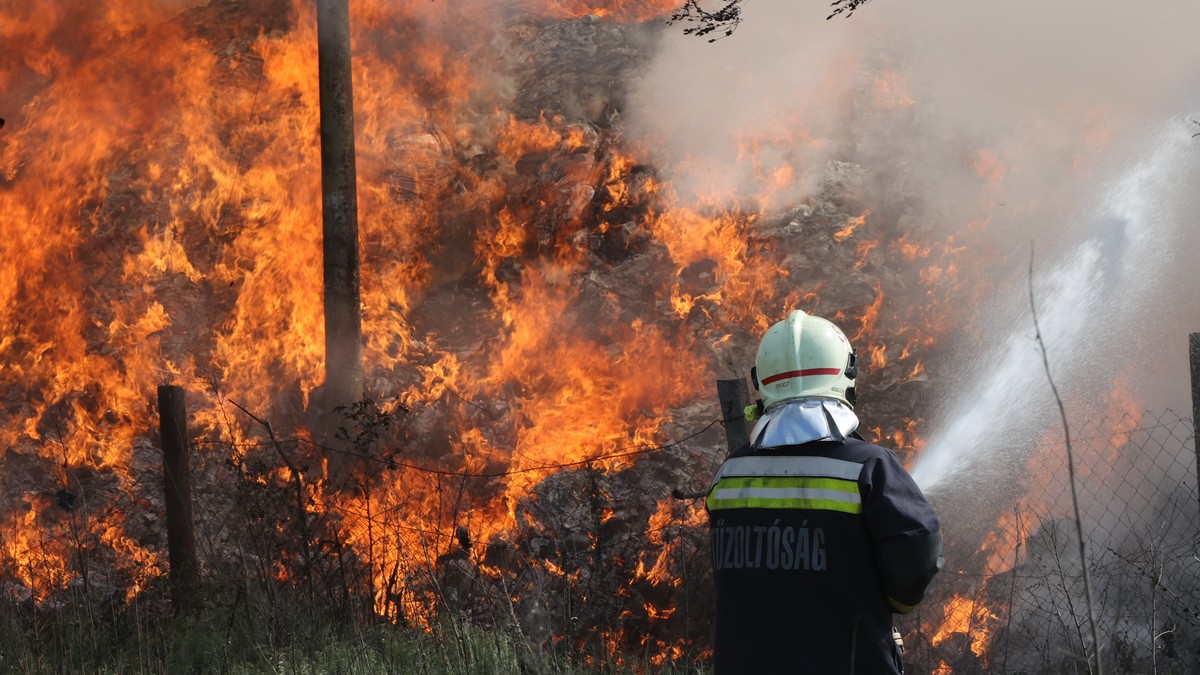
(618, 453)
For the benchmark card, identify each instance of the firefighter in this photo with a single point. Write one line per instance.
(818, 536)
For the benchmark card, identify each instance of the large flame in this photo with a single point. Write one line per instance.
(533, 294)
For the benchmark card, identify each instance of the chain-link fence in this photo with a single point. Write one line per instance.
(1012, 598)
(599, 555)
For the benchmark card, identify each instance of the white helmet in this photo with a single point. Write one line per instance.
(803, 356)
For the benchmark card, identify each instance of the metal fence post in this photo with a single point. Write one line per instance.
(1194, 359)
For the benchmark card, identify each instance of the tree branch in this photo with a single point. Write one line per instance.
(845, 6)
(702, 23)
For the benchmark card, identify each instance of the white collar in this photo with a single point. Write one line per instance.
(803, 420)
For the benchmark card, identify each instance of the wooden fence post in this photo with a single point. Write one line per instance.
(177, 488)
(733, 397)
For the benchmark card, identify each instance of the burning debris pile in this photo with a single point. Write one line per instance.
(544, 322)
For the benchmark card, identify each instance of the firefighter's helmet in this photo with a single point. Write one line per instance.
(805, 356)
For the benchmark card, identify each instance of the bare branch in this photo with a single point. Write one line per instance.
(1087, 583)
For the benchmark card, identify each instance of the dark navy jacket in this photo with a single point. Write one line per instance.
(814, 547)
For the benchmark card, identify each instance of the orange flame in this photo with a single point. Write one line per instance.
(167, 231)
(852, 225)
(964, 616)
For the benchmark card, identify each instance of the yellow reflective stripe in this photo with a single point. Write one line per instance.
(786, 492)
(811, 483)
(716, 504)
(900, 607)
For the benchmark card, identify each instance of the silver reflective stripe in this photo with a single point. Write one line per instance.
(787, 493)
(790, 466)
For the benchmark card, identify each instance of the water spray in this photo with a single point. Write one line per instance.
(1091, 299)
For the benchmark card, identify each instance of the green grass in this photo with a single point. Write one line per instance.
(284, 636)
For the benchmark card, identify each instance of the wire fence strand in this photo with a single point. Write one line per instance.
(600, 553)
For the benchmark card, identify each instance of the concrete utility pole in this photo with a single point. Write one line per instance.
(339, 201)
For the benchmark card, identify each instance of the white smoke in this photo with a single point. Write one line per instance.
(1065, 126)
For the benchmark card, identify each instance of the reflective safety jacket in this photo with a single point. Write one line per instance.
(814, 546)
